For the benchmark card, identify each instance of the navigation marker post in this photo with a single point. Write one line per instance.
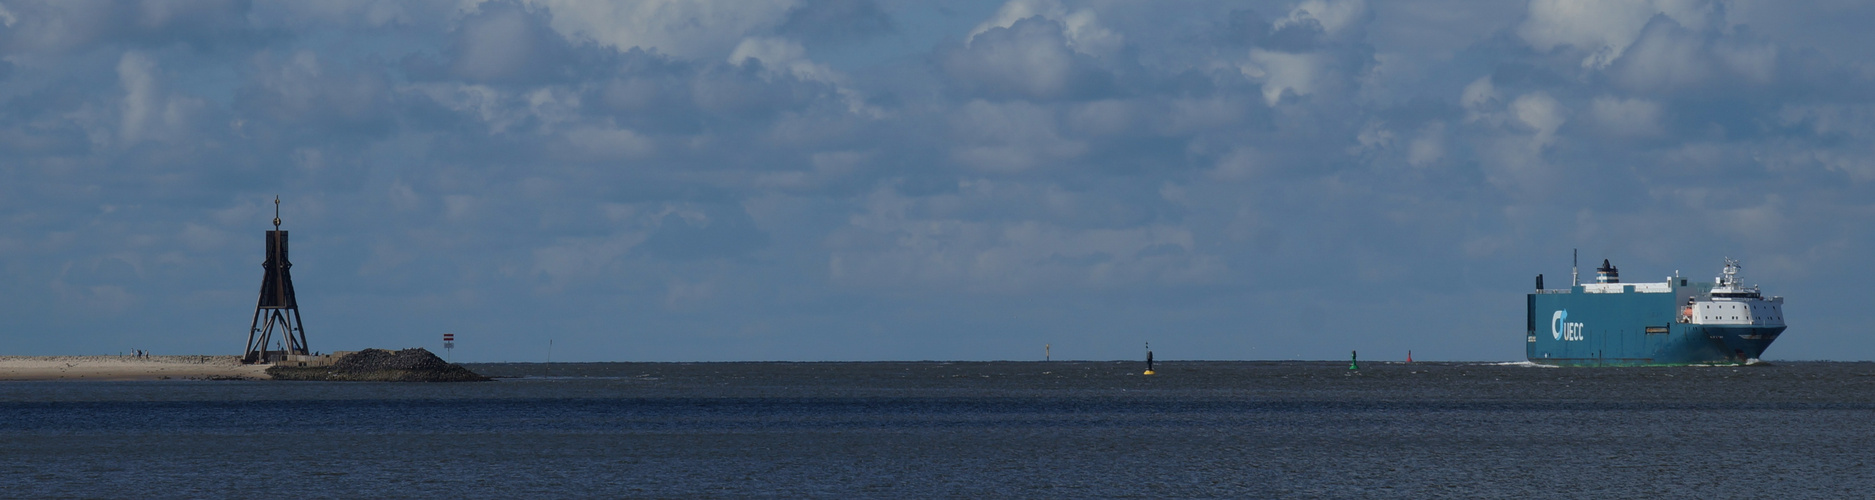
(449, 346)
(1149, 358)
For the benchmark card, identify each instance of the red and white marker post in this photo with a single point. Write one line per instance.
(449, 346)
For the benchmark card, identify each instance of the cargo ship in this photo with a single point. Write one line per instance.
(1676, 322)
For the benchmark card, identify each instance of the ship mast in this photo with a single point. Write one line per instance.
(1728, 278)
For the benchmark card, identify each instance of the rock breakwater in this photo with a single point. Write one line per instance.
(379, 365)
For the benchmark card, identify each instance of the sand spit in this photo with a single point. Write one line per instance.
(128, 368)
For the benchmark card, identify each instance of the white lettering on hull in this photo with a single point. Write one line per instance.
(1562, 329)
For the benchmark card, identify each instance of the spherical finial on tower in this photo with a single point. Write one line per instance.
(276, 212)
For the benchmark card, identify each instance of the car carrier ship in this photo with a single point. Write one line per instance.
(1677, 322)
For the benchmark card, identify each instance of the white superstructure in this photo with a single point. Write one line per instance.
(1730, 303)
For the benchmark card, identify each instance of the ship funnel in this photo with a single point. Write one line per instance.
(1607, 273)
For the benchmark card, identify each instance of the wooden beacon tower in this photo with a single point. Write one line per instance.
(277, 307)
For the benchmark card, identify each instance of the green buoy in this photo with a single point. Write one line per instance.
(1353, 360)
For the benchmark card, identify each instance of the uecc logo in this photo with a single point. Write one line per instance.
(1564, 330)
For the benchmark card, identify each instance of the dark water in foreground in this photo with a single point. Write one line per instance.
(1000, 429)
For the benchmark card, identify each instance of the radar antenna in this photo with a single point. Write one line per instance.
(1729, 277)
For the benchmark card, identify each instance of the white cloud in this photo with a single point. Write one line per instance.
(600, 143)
(1626, 117)
(1666, 58)
(1542, 114)
(580, 260)
(497, 45)
(1189, 115)
(1283, 72)
(695, 29)
(1082, 27)
(1756, 62)
(1428, 147)
(1016, 10)
(486, 103)
(148, 111)
(1009, 137)
(1029, 59)
(892, 245)
(783, 56)
(1240, 164)
(1334, 15)
(1103, 117)
(1478, 98)
(141, 100)
(371, 13)
(1605, 28)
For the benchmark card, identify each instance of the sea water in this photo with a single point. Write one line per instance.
(966, 429)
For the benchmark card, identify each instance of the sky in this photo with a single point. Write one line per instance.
(912, 180)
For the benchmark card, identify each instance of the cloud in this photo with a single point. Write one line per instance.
(1031, 58)
(140, 95)
(1604, 29)
(1311, 50)
(1333, 16)
(303, 93)
(766, 174)
(1294, 74)
(1626, 117)
(1428, 147)
(893, 245)
(838, 21)
(1479, 98)
(38, 28)
(1541, 113)
(691, 29)
(704, 232)
(1082, 30)
(783, 57)
(1010, 137)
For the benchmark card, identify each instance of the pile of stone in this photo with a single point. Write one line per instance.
(379, 365)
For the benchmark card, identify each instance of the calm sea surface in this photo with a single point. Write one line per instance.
(933, 429)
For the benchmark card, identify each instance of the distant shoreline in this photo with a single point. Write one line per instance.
(40, 368)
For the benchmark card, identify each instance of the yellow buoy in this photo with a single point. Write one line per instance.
(1148, 372)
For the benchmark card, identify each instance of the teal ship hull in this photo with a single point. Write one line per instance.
(1653, 324)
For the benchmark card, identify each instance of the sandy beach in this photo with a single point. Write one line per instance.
(128, 368)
